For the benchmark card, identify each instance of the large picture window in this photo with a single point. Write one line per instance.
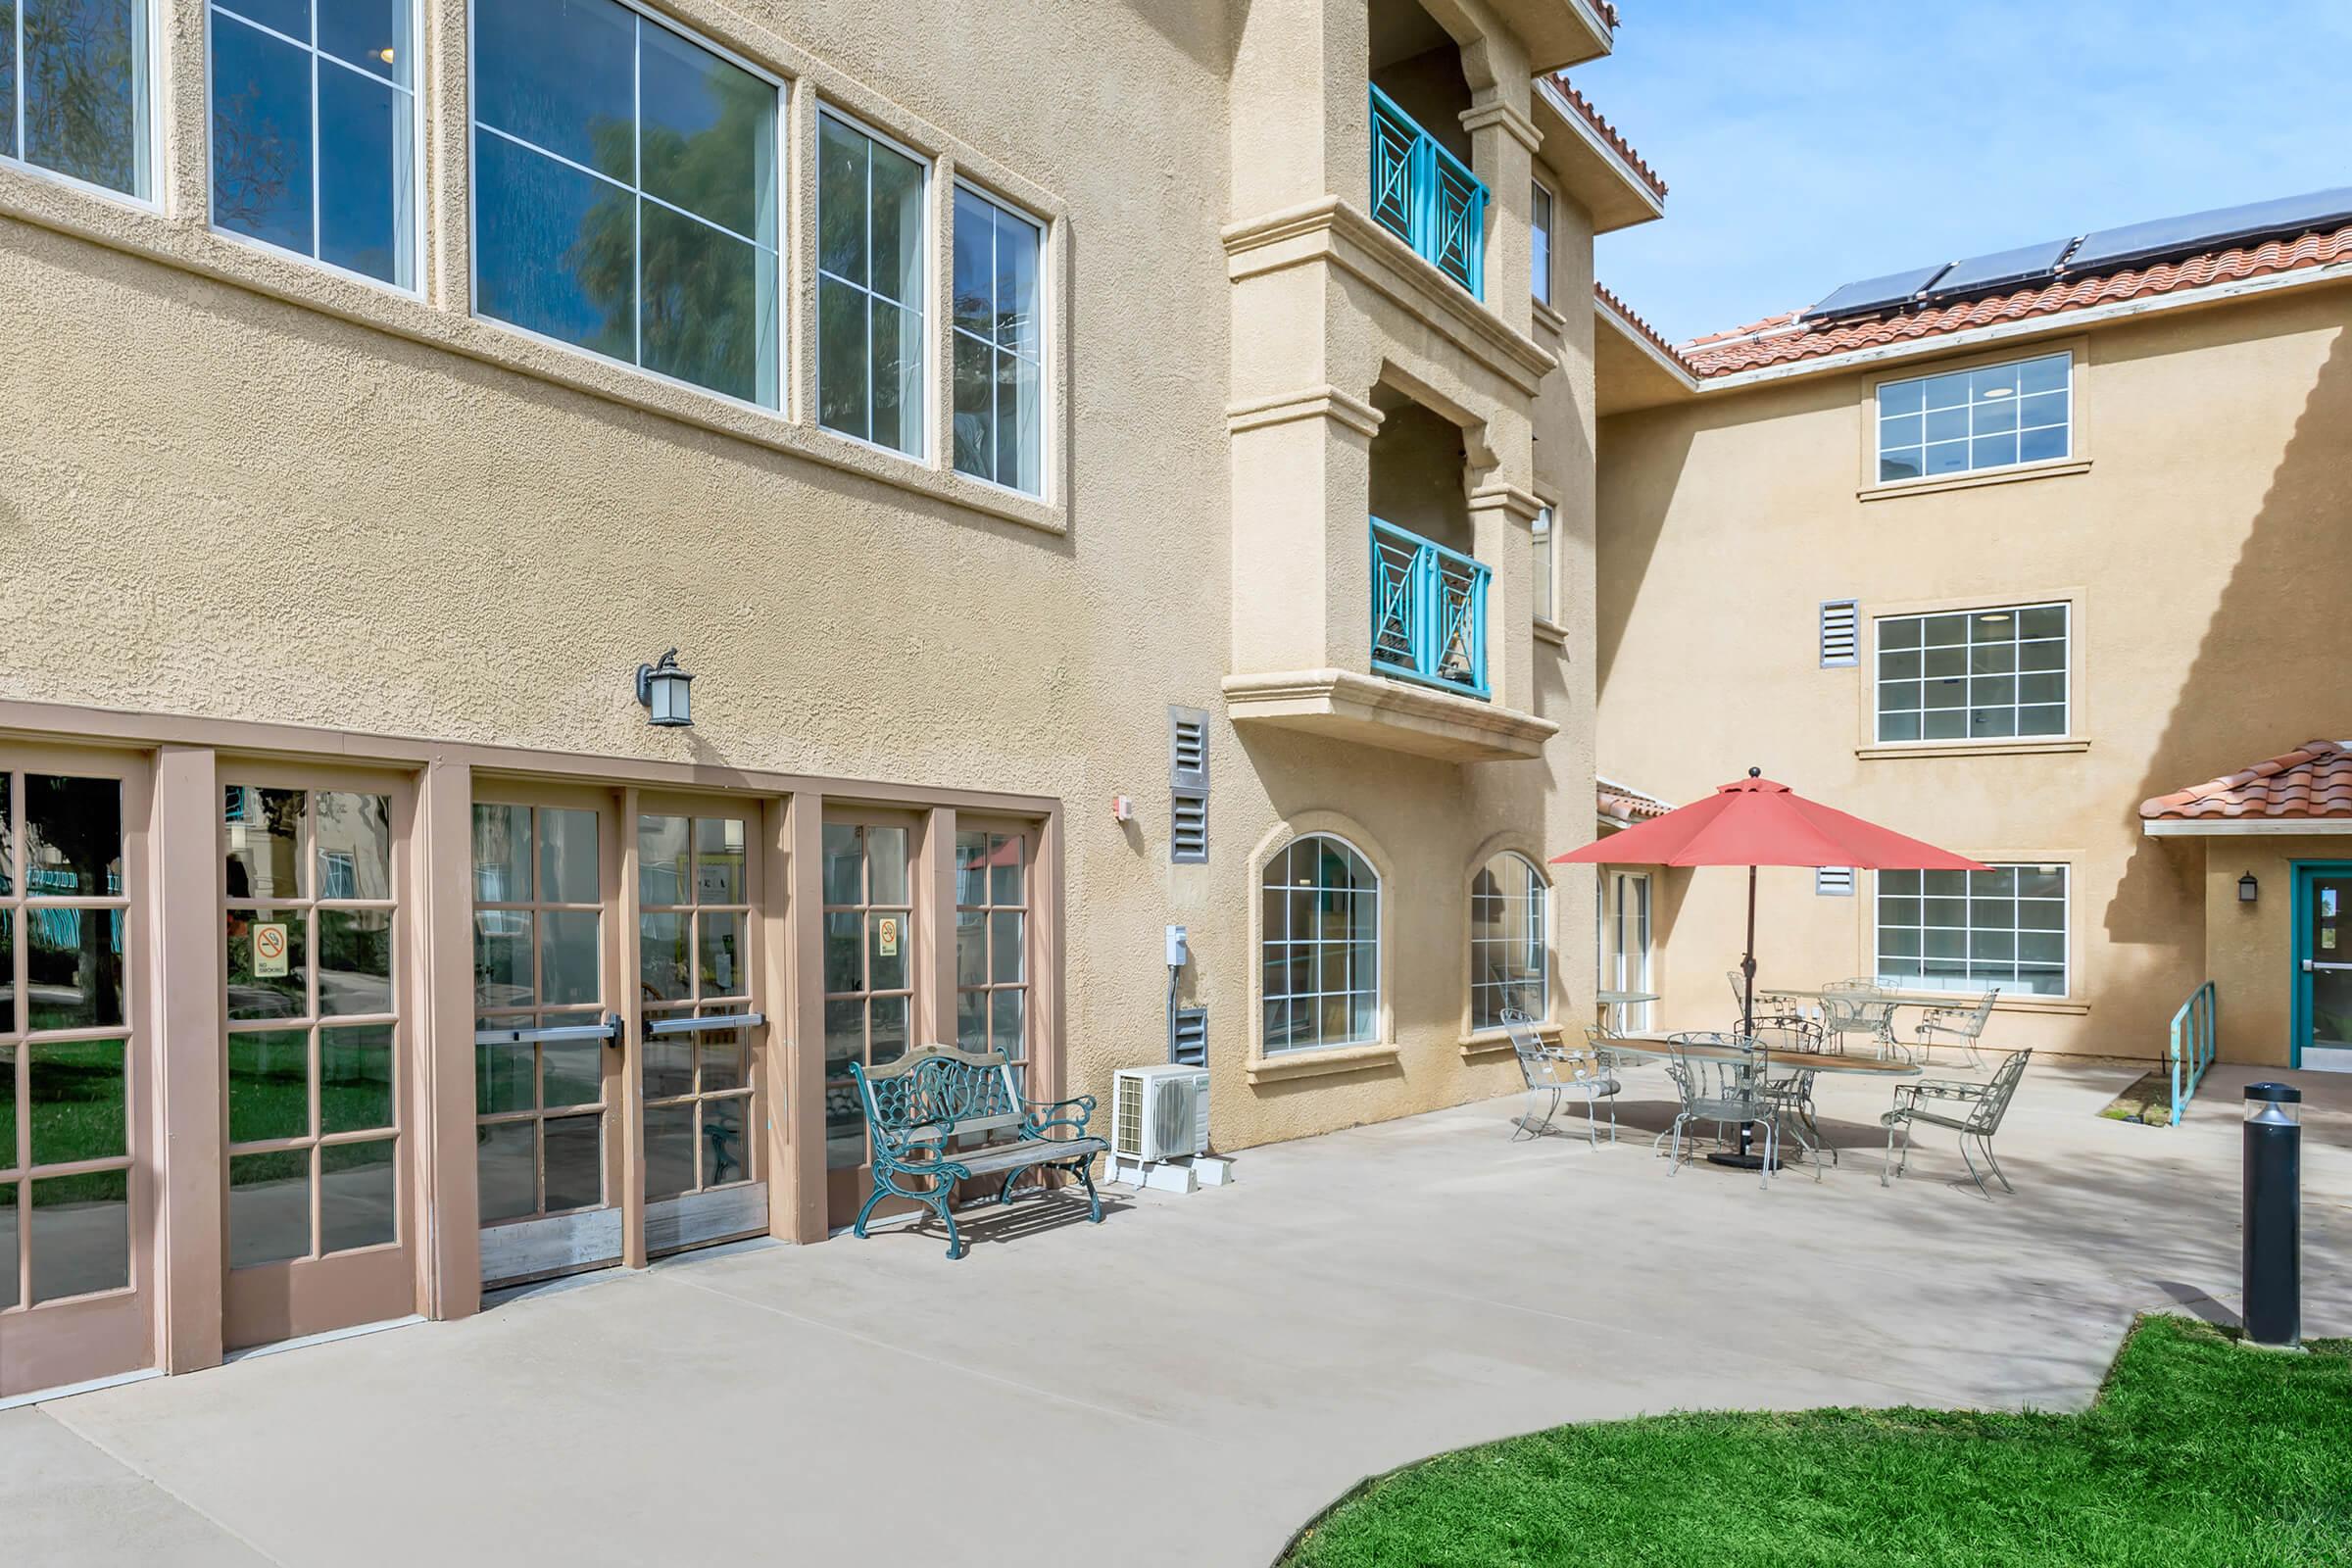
(1973, 930)
(1321, 946)
(999, 433)
(1964, 420)
(624, 192)
(314, 131)
(1979, 674)
(869, 287)
(76, 89)
(1510, 955)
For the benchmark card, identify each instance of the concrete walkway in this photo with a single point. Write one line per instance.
(1188, 1382)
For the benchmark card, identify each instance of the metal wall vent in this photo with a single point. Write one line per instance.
(1841, 633)
(1188, 827)
(1187, 786)
(1187, 1045)
(1834, 881)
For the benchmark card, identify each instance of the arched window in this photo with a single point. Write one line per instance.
(1321, 940)
(1510, 953)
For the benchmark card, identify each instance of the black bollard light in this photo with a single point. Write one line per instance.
(2273, 1208)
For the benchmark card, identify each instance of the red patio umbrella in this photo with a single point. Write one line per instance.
(1755, 822)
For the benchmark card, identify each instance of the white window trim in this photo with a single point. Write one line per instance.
(1045, 345)
(473, 185)
(1378, 1039)
(1549, 229)
(1871, 680)
(2074, 446)
(1544, 912)
(418, 219)
(926, 299)
(150, 115)
(2013, 992)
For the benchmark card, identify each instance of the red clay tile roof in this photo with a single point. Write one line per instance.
(1649, 333)
(1609, 134)
(2313, 780)
(1783, 340)
(1618, 803)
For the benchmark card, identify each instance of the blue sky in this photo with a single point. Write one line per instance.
(1812, 142)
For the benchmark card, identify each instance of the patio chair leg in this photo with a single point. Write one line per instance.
(1890, 1168)
(955, 1236)
(1094, 1200)
(1612, 1118)
(1673, 1153)
(1986, 1143)
(866, 1210)
(1974, 1174)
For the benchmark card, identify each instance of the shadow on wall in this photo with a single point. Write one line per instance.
(2250, 678)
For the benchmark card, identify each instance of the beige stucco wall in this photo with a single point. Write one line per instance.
(2203, 551)
(2250, 952)
(240, 490)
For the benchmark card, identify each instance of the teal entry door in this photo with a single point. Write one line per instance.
(2322, 1014)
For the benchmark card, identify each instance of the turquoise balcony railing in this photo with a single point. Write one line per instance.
(1429, 612)
(1428, 197)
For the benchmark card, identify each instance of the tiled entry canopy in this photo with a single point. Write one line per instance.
(2310, 783)
(302, 1030)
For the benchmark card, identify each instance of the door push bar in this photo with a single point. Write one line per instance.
(716, 1020)
(605, 1029)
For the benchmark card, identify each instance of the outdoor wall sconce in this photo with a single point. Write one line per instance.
(666, 692)
(2248, 889)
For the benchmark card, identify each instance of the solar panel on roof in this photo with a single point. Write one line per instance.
(2134, 242)
(2004, 268)
(1877, 293)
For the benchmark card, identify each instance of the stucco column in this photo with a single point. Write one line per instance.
(191, 1229)
(443, 854)
(1302, 518)
(1501, 519)
(1300, 123)
(1502, 143)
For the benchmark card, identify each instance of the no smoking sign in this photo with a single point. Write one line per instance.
(268, 951)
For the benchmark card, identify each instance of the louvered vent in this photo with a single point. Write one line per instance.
(1841, 636)
(1188, 827)
(1834, 881)
(1187, 786)
(1190, 1048)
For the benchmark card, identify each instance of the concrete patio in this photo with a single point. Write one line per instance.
(1189, 1381)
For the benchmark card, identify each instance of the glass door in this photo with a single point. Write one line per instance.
(314, 959)
(547, 1049)
(1625, 959)
(870, 969)
(77, 1214)
(704, 1026)
(2323, 966)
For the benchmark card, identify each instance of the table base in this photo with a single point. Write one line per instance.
(1741, 1161)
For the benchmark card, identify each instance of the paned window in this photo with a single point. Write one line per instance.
(1543, 565)
(1979, 674)
(1000, 430)
(1321, 942)
(76, 89)
(314, 131)
(869, 970)
(992, 943)
(694, 960)
(1539, 241)
(869, 287)
(625, 192)
(1964, 420)
(1510, 956)
(1973, 930)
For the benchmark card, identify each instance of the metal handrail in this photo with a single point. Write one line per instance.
(2199, 1021)
(1428, 612)
(1427, 197)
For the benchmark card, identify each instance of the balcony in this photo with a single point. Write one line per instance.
(1427, 197)
(1429, 612)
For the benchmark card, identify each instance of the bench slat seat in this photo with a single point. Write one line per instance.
(923, 1106)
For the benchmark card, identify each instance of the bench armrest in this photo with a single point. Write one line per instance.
(1041, 1115)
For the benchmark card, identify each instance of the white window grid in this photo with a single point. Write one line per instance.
(147, 126)
(1320, 946)
(917, 417)
(1027, 348)
(2007, 926)
(2002, 671)
(1966, 422)
(1511, 950)
(412, 208)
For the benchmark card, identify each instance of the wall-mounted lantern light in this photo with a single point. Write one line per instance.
(666, 691)
(2248, 889)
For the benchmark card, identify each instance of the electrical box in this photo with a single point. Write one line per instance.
(1180, 952)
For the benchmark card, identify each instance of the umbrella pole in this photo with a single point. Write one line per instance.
(1747, 964)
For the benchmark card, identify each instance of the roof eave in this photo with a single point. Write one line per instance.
(1591, 172)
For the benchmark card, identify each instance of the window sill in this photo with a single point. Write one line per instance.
(1316, 1063)
(1551, 631)
(2007, 747)
(2052, 470)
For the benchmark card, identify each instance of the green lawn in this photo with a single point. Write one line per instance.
(2197, 1452)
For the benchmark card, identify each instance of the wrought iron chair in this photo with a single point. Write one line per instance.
(1790, 1094)
(1726, 1091)
(1559, 1071)
(1853, 1008)
(1972, 1110)
(1960, 1026)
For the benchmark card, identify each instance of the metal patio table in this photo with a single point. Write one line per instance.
(1622, 1000)
(1653, 1043)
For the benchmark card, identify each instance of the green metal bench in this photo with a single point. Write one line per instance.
(920, 1107)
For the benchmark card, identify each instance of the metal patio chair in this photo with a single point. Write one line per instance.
(1729, 1092)
(1791, 1094)
(1560, 1072)
(1972, 1110)
(1857, 1010)
(1959, 1026)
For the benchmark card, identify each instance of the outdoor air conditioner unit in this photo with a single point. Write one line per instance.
(1158, 1113)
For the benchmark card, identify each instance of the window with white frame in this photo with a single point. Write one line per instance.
(1320, 944)
(1978, 674)
(77, 86)
(1965, 421)
(1539, 241)
(869, 287)
(1510, 952)
(1975, 930)
(314, 131)
(1543, 567)
(625, 192)
(1000, 426)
